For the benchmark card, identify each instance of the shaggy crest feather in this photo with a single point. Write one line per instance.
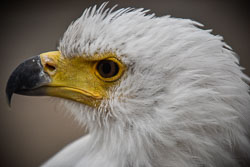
(182, 102)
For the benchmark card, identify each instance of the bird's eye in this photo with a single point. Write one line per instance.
(107, 68)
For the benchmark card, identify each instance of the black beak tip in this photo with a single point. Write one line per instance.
(27, 76)
(8, 96)
(9, 92)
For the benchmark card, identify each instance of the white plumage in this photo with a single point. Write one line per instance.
(183, 101)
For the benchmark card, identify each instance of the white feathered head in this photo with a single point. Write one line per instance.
(154, 90)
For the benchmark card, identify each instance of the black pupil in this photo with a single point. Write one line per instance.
(107, 68)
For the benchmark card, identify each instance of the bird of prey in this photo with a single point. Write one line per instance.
(152, 92)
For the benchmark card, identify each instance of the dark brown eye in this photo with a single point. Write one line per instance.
(107, 68)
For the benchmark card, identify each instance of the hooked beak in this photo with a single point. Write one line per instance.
(28, 79)
(51, 74)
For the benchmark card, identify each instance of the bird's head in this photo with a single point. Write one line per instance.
(126, 68)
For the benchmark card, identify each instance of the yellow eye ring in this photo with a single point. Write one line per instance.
(109, 69)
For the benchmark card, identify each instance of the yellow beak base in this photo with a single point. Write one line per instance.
(72, 78)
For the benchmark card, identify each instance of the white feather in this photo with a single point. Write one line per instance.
(182, 102)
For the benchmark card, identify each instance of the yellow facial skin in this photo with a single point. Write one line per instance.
(77, 78)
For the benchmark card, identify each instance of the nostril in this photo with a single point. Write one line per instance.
(50, 68)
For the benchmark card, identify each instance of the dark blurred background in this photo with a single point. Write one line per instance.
(33, 129)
